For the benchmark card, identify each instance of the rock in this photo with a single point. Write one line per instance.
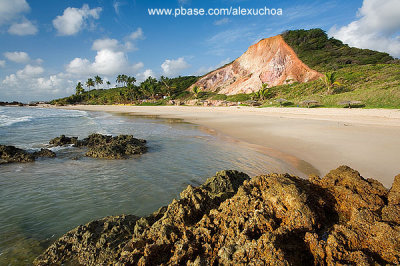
(63, 141)
(104, 146)
(109, 147)
(44, 153)
(342, 218)
(95, 243)
(11, 154)
(270, 61)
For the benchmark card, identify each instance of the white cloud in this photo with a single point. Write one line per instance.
(145, 74)
(12, 9)
(109, 60)
(377, 27)
(74, 19)
(222, 21)
(17, 57)
(116, 6)
(24, 28)
(2, 63)
(30, 71)
(100, 44)
(137, 35)
(174, 67)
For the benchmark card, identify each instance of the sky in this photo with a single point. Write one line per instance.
(47, 46)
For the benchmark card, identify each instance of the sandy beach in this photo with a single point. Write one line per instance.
(313, 140)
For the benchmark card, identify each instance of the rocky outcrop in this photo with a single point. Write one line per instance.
(270, 61)
(11, 154)
(103, 146)
(269, 219)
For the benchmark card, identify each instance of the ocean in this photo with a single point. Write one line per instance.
(40, 201)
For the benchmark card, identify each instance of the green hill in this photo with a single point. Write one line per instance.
(321, 53)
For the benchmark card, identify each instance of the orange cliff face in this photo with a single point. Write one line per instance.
(270, 61)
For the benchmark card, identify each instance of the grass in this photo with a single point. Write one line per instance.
(376, 86)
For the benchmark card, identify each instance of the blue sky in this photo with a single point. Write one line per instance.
(46, 46)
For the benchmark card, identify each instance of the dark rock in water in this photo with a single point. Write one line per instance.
(119, 147)
(104, 146)
(11, 154)
(44, 153)
(270, 219)
(63, 140)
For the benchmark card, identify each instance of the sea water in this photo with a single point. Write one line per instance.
(42, 200)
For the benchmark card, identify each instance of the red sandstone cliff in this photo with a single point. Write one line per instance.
(270, 61)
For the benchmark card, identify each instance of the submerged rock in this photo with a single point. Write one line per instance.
(270, 219)
(44, 153)
(11, 154)
(104, 146)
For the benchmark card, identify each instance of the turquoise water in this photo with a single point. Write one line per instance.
(42, 200)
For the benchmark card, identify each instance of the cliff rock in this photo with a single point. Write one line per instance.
(270, 61)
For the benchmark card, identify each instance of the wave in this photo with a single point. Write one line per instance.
(6, 120)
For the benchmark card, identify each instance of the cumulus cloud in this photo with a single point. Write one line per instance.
(2, 63)
(377, 27)
(145, 74)
(12, 9)
(26, 27)
(17, 57)
(109, 60)
(174, 67)
(74, 19)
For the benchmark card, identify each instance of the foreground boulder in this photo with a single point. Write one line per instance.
(104, 146)
(270, 219)
(11, 154)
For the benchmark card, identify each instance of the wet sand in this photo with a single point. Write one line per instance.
(314, 140)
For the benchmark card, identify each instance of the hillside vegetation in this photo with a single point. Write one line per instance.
(321, 53)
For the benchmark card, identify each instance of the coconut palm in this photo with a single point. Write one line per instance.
(108, 83)
(149, 87)
(79, 88)
(167, 86)
(130, 81)
(263, 93)
(89, 83)
(330, 81)
(119, 79)
(98, 80)
(196, 90)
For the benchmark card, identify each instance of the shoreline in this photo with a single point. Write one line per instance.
(320, 138)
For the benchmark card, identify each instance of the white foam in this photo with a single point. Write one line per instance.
(5, 120)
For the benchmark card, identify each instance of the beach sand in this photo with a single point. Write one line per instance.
(313, 140)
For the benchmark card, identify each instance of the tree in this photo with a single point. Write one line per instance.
(119, 79)
(149, 87)
(79, 88)
(330, 81)
(263, 93)
(124, 79)
(167, 87)
(89, 83)
(196, 90)
(98, 80)
(130, 81)
(108, 83)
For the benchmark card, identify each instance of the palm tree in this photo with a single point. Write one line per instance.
(124, 79)
(98, 80)
(330, 81)
(263, 93)
(108, 83)
(130, 81)
(119, 79)
(79, 88)
(167, 87)
(149, 87)
(89, 83)
(196, 90)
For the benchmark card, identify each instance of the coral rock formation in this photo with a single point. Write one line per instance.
(269, 219)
